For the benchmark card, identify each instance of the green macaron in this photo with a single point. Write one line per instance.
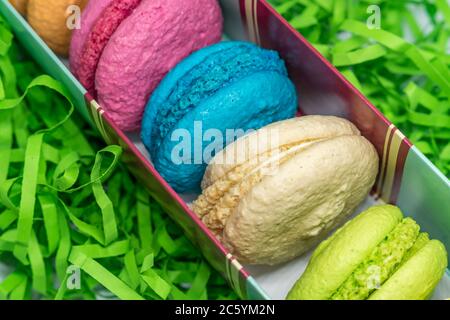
(378, 255)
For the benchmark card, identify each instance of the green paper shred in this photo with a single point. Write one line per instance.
(70, 210)
(403, 67)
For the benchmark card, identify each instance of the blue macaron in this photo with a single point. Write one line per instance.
(207, 101)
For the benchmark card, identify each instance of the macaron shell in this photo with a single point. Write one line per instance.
(417, 278)
(217, 71)
(100, 34)
(145, 47)
(49, 19)
(239, 106)
(292, 209)
(381, 263)
(89, 17)
(166, 86)
(337, 257)
(20, 5)
(186, 65)
(287, 132)
(236, 169)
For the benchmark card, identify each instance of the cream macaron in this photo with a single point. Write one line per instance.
(276, 192)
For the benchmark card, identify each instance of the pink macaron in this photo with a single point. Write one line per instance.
(125, 47)
(92, 12)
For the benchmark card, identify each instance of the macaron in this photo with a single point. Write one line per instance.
(379, 255)
(20, 5)
(275, 193)
(215, 91)
(92, 12)
(124, 48)
(49, 19)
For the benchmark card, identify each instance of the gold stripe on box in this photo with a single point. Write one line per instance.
(105, 134)
(255, 21)
(383, 160)
(394, 149)
(233, 268)
(250, 20)
(97, 115)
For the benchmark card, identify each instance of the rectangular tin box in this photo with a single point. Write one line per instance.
(406, 178)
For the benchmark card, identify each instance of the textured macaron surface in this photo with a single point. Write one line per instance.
(290, 132)
(20, 5)
(381, 262)
(377, 255)
(418, 276)
(146, 45)
(228, 86)
(271, 203)
(228, 63)
(336, 258)
(49, 19)
(92, 12)
(104, 28)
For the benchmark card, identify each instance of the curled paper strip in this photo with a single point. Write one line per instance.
(69, 210)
